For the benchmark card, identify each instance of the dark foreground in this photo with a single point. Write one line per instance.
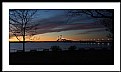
(75, 57)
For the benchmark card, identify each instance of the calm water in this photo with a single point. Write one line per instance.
(47, 45)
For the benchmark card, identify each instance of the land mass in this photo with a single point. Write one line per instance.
(70, 57)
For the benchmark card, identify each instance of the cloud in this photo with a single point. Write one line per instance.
(48, 28)
(59, 23)
(93, 31)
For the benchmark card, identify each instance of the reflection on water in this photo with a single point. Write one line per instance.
(63, 46)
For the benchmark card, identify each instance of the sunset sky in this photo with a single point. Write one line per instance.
(52, 23)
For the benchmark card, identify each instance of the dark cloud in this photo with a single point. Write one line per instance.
(48, 28)
(59, 23)
(93, 31)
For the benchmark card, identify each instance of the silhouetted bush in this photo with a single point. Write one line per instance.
(81, 49)
(71, 48)
(92, 49)
(33, 50)
(104, 49)
(45, 49)
(55, 48)
(19, 50)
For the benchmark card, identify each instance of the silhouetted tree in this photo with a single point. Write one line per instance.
(105, 17)
(108, 23)
(55, 48)
(71, 48)
(94, 13)
(19, 20)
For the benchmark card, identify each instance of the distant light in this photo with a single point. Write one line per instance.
(98, 39)
(98, 43)
(108, 43)
(94, 39)
(102, 39)
(108, 39)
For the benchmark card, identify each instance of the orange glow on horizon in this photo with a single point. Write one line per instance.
(54, 37)
(47, 38)
(33, 39)
(42, 38)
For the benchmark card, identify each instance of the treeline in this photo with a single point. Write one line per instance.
(71, 48)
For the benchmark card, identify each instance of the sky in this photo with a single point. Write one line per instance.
(52, 23)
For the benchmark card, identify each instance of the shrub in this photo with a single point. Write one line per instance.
(55, 48)
(45, 49)
(33, 50)
(71, 48)
(19, 50)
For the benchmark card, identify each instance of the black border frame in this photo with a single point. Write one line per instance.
(61, 1)
(77, 41)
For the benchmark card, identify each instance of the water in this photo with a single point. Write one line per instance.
(64, 45)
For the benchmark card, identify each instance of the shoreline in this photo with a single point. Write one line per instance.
(62, 41)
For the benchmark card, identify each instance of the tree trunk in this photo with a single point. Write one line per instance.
(24, 39)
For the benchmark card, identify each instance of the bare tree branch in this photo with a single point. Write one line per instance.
(21, 17)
